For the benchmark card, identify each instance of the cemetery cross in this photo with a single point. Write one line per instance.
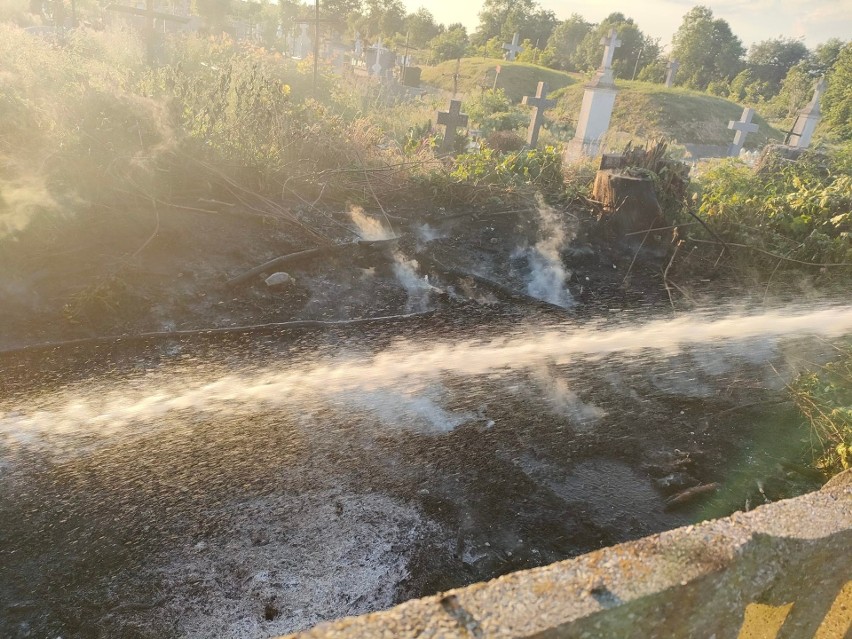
(539, 103)
(452, 119)
(512, 50)
(743, 127)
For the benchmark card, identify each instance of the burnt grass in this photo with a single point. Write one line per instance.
(81, 535)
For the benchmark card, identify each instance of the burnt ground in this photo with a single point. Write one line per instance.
(250, 525)
(143, 270)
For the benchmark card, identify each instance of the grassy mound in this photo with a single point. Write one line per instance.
(516, 78)
(652, 111)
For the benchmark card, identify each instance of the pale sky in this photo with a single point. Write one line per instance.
(751, 20)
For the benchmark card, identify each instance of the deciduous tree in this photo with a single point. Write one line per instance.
(706, 49)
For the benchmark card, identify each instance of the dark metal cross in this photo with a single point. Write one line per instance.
(540, 104)
(151, 17)
(451, 119)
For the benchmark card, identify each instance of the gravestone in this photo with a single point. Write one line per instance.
(596, 110)
(512, 50)
(451, 119)
(150, 18)
(743, 127)
(359, 45)
(303, 42)
(807, 119)
(540, 104)
(380, 60)
(671, 72)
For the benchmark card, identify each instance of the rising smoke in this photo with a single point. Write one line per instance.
(548, 277)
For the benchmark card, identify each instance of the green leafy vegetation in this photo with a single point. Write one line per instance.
(792, 213)
(824, 398)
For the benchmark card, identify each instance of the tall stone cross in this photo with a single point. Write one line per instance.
(540, 104)
(377, 67)
(452, 119)
(806, 120)
(671, 72)
(611, 43)
(151, 17)
(512, 50)
(743, 127)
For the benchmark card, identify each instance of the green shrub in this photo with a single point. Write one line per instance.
(825, 400)
(799, 210)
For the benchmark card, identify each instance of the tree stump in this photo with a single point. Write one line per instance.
(629, 202)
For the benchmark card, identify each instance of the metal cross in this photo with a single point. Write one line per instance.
(540, 103)
(512, 50)
(377, 67)
(743, 127)
(611, 43)
(452, 119)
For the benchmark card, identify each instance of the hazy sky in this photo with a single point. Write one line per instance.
(751, 20)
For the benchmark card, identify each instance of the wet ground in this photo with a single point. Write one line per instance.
(251, 484)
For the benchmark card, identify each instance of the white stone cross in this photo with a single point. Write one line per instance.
(452, 119)
(671, 72)
(359, 44)
(512, 50)
(303, 44)
(377, 67)
(819, 89)
(611, 43)
(539, 103)
(743, 127)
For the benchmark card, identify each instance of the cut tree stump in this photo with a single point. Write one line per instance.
(630, 204)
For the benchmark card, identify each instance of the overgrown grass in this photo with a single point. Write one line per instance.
(651, 111)
(517, 79)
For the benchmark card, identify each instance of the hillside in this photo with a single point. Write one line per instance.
(516, 78)
(653, 111)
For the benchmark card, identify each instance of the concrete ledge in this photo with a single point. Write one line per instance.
(782, 570)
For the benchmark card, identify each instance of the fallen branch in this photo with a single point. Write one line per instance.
(771, 254)
(300, 256)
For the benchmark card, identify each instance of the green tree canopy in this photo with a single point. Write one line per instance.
(706, 49)
(503, 18)
(633, 43)
(837, 103)
(565, 40)
(421, 27)
(769, 62)
(449, 45)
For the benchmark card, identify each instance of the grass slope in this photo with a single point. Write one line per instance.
(652, 111)
(516, 78)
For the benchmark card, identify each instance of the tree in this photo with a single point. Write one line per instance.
(338, 10)
(706, 49)
(449, 45)
(384, 17)
(634, 46)
(213, 12)
(503, 18)
(769, 62)
(421, 27)
(566, 38)
(837, 103)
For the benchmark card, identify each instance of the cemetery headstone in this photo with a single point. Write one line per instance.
(514, 48)
(540, 104)
(596, 110)
(303, 42)
(359, 45)
(743, 127)
(671, 72)
(451, 119)
(379, 67)
(807, 119)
